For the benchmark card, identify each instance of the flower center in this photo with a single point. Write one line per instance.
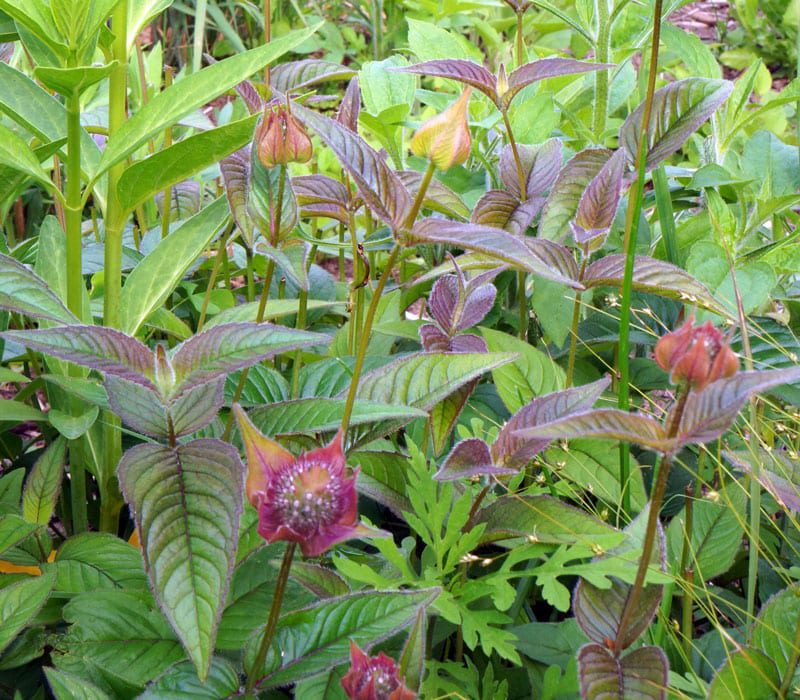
(306, 497)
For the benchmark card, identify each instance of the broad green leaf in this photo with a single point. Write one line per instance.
(155, 277)
(697, 56)
(317, 638)
(531, 374)
(746, 675)
(382, 88)
(15, 153)
(195, 90)
(275, 308)
(180, 681)
(180, 161)
(382, 478)
(14, 530)
(11, 491)
(139, 15)
(68, 81)
(423, 379)
(411, 664)
(37, 17)
(429, 41)
(19, 602)
(642, 674)
(775, 630)
(321, 581)
(72, 427)
(94, 561)
(139, 407)
(18, 412)
(679, 109)
(187, 503)
(546, 519)
(66, 686)
(40, 495)
(24, 292)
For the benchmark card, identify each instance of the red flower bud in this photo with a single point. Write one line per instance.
(374, 678)
(280, 139)
(445, 139)
(696, 355)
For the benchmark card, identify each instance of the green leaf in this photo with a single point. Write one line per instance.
(37, 17)
(16, 154)
(276, 308)
(19, 602)
(72, 427)
(11, 491)
(69, 81)
(382, 478)
(382, 88)
(24, 292)
(317, 638)
(642, 674)
(40, 495)
(180, 161)
(774, 631)
(18, 412)
(195, 90)
(530, 375)
(180, 682)
(66, 686)
(187, 503)
(154, 278)
(139, 15)
(14, 530)
(746, 675)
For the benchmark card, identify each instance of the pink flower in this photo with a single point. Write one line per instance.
(374, 678)
(310, 499)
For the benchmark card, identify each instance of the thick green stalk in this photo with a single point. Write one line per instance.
(602, 53)
(166, 195)
(666, 216)
(631, 224)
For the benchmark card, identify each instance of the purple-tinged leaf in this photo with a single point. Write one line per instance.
(501, 245)
(350, 106)
(606, 423)
(643, 674)
(196, 406)
(104, 349)
(544, 69)
(540, 166)
(445, 299)
(235, 170)
(555, 256)
(654, 276)
(679, 109)
(438, 197)
(444, 415)
(262, 202)
(187, 502)
(709, 413)
(458, 69)
(479, 303)
(291, 260)
(467, 342)
(433, 338)
(250, 96)
(598, 204)
(140, 408)
(321, 581)
(776, 472)
(24, 292)
(297, 75)
(565, 194)
(478, 262)
(377, 183)
(411, 664)
(469, 458)
(502, 210)
(320, 195)
(512, 451)
(223, 349)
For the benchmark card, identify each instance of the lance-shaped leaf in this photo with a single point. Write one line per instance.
(775, 471)
(458, 69)
(503, 210)
(262, 202)
(469, 458)
(438, 197)
(709, 413)
(14, 529)
(540, 166)
(196, 406)
(187, 502)
(24, 292)
(679, 109)
(320, 195)
(377, 183)
(501, 245)
(235, 170)
(297, 75)
(223, 349)
(607, 423)
(315, 639)
(542, 70)
(19, 602)
(181, 680)
(511, 451)
(654, 276)
(103, 349)
(598, 203)
(774, 629)
(642, 674)
(565, 195)
(423, 379)
(555, 256)
(67, 686)
(350, 106)
(411, 664)
(139, 407)
(43, 484)
(291, 259)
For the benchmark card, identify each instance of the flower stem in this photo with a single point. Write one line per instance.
(272, 621)
(522, 305)
(523, 185)
(631, 223)
(687, 571)
(223, 241)
(576, 317)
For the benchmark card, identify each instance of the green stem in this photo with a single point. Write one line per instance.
(576, 317)
(631, 224)
(420, 198)
(248, 275)
(687, 571)
(272, 621)
(666, 215)
(73, 206)
(201, 8)
(298, 355)
(520, 45)
(523, 185)
(602, 53)
(166, 196)
(77, 484)
(522, 305)
(212, 279)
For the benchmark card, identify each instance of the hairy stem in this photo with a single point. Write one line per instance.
(602, 53)
(519, 45)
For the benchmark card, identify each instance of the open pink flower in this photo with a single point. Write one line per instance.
(310, 499)
(374, 678)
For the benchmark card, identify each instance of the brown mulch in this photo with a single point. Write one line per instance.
(704, 18)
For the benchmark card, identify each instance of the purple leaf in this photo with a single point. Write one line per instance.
(433, 338)
(776, 472)
(140, 408)
(196, 406)
(247, 91)
(598, 204)
(515, 452)
(469, 458)
(458, 69)
(446, 296)
(679, 109)
(642, 674)
(350, 106)
(540, 166)
(297, 75)
(320, 195)
(543, 69)
(377, 183)
(606, 423)
(502, 210)
(503, 246)
(103, 349)
(235, 170)
(709, 413)
(479, 303)
(555, 256)
(438, 197)
(24, 292)
(654, 276)
(468, 342)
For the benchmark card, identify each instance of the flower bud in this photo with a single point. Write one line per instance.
(502, 81)
(696, 355)
(374, 678)
(280, 139)
(445, 139)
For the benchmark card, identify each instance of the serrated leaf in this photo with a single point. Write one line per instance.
(542, 70)
(774, 631)
(321, 581)
(746, 675)
(19, 602)
(14, 530)
(654, 276)
(469, 458)
(24, 292)
(444, 415)
(313, 640)
(350, 106)
(382, 478)
(296, 75)
(463, 71)
(180, 681)
(642, 674)
(187, 503)
(679, 109)
(196, 406)
(66, 686)
(502, 210)
(540, 166)
(599, 201)
(72, 427)
(139, 408)
(320, 195)
(40, 495)
(438, 197)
